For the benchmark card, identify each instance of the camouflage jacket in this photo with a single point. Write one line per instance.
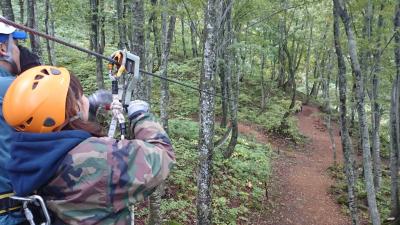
(101, 178)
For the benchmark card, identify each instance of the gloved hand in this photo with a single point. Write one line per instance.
(136, 108)
(99, 98)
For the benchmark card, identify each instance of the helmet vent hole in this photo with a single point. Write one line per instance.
(49, 122)
(29, 121)
(38, 77)
(34, 85)
(45, 71)
(55, 71)
(22, 126)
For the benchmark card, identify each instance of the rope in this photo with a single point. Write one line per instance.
(57, 40)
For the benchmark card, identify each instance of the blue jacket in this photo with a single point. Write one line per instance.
(36, 157)
(6, 79)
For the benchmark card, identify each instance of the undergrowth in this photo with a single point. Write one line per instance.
(339, 190)
(238, 182)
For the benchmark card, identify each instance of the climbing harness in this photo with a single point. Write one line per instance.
(125, 64)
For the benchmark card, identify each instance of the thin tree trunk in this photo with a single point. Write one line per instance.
(376, 111)
(206, 145)
(263, 94)
(308, 62)
(156, 33)
(368, 174)
(273, 72)
(7, 10)
(21, 4)
(284, 125)
(232, 81)
(394, 149)
(193, 39)
(100, 45)
(166, 46)
(95, 12)
(222, 53)
(167, 34)
(183, 37)
(49, 25)
(32, 23)
(394, 124)
(329, 110)
(345, 137)
(224, 90)
(138, 43)
(122, 43)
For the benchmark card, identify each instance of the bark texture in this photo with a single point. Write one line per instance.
(7, 10)
(49, 25)
(32, 23)
(137, 46)
(206, 145)
(345, 137)
(363, 126)
(394, 123)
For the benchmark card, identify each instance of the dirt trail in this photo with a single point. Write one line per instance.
(299, 191)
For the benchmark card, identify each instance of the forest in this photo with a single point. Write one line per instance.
(270, 104)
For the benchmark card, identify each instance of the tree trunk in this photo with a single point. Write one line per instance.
(263, 91)
(394, 124)
(32, 23)
(224, 91)
(394, 149)
(222, 53)
(368, 174)
(232, 81)
(206, 145)
(122, 43)
(167, 34)
(347, 147)
(328, 109)
(156, 32)
(308, 62)
(7, 10)
(376, 111)
(193, 39)
(21, 11)
(292, 67)
(138, 43)
(166, 46)
(96, 39)
(183, 37)
(49, 25)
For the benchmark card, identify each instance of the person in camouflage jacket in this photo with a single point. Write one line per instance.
(84, 177)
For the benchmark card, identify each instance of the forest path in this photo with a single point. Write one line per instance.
(298, 193)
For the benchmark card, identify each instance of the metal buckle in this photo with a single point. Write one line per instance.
(31, 200)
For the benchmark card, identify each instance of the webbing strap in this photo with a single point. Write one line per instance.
(7, 204)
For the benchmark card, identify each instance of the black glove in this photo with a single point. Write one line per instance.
(27, 58)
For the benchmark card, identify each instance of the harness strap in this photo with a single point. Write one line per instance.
(8, 204)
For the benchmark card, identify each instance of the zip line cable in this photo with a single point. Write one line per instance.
(57, 40)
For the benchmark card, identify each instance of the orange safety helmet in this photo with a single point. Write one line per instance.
(35, 101)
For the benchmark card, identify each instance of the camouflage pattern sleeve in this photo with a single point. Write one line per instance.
(101, 177)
